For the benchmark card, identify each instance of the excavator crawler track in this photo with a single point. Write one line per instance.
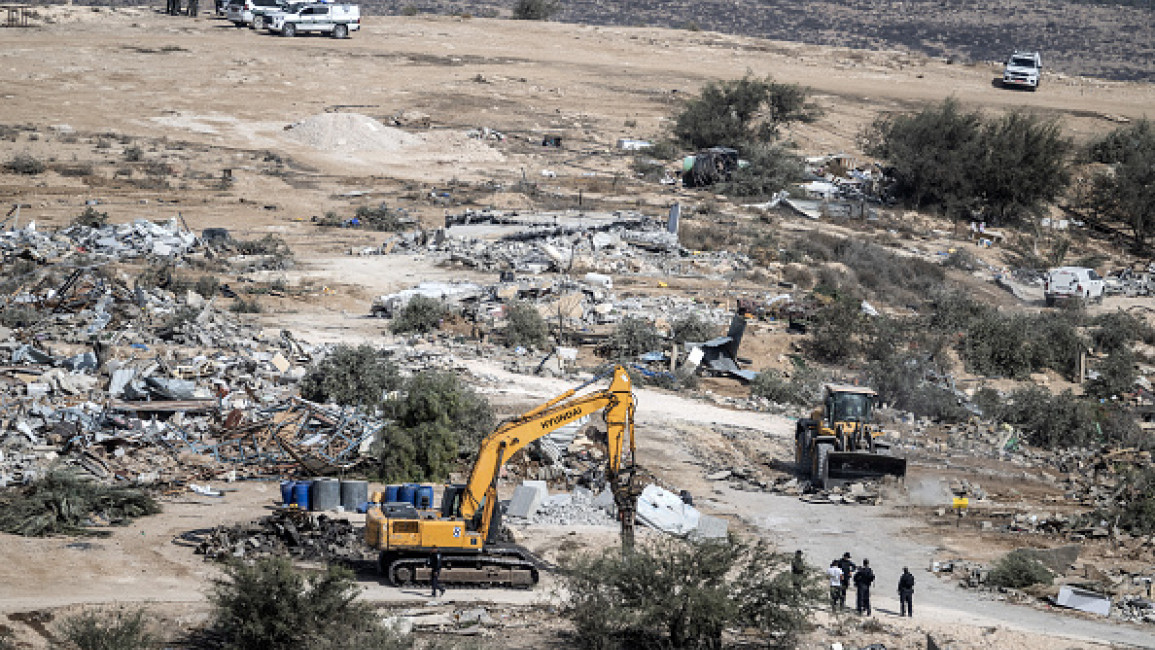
(482, 570)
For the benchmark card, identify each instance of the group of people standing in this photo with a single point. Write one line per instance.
(842, 573)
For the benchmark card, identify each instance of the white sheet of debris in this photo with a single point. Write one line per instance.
(664, 510)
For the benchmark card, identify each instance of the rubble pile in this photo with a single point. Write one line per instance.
(1125, 595)
(577, 508)
(292, 533)
(621, 243)
(1087, 478)
(138, 239)
(148, 385)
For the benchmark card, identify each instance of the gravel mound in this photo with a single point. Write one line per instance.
(349, 132)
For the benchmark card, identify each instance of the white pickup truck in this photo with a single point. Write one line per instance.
(1023, 69)
(337, 20)
(1073, 282)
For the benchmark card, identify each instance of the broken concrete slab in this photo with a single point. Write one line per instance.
(527, 498)
(664, 510)
(1084, 600)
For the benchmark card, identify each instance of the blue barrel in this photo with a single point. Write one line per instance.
(424, 497)
(407, 493)
(392, 493)
(287, 492)
(301, 494)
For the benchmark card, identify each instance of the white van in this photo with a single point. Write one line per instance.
(1067, 282)
(337, 20)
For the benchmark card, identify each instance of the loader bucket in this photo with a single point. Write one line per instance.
(850, 466)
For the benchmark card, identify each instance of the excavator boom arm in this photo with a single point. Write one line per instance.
(617, 403)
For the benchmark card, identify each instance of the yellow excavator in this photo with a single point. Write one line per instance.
(839, 443)
(465, 527)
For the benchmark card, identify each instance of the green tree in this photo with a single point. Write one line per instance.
(1135, 505)
(676, 594)
(420, 315)
(526, 327)
(962, 164)
(535, 9)
(1117, 375)
(771, 168)
(930, 155)
(738, 112)
(1125, 193)
(436, 418)
(631, 337)
(268, 605)
(109, 630)
(351, 376)
(693, 329)
(91, 218)
(1025, 166)
(1017, 570)
(1118, 329)
(803, 387)
(834, 336)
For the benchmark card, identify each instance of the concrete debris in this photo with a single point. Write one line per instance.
(133, 382)
(140, 239)
(661, 509)
(605, 244)
(1083, 600)
(527, 498)
(579, 508)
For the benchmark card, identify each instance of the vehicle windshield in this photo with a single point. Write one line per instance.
(851, 407)
(1022, 62)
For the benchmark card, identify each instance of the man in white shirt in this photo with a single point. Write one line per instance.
(837, 593)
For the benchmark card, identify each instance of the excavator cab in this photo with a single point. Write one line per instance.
(839, 442)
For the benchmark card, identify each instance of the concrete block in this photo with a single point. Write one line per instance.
(527, 498)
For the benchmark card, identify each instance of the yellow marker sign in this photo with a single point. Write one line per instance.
(960, 502)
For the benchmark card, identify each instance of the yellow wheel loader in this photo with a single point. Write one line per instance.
(464, 529)
(838, 443)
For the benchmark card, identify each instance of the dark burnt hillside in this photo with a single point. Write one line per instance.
(1112, 39)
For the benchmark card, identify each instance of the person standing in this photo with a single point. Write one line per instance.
(798, 570)
(837, 595)
(848, 569)
(906, 593)
(435, 572)
(863, 579)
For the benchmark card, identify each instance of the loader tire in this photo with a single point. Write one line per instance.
(802, 445)
(821, 466)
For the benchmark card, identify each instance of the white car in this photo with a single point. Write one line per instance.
(1073, 282)
(337, 20)
(1023, 70)
(240, 12)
